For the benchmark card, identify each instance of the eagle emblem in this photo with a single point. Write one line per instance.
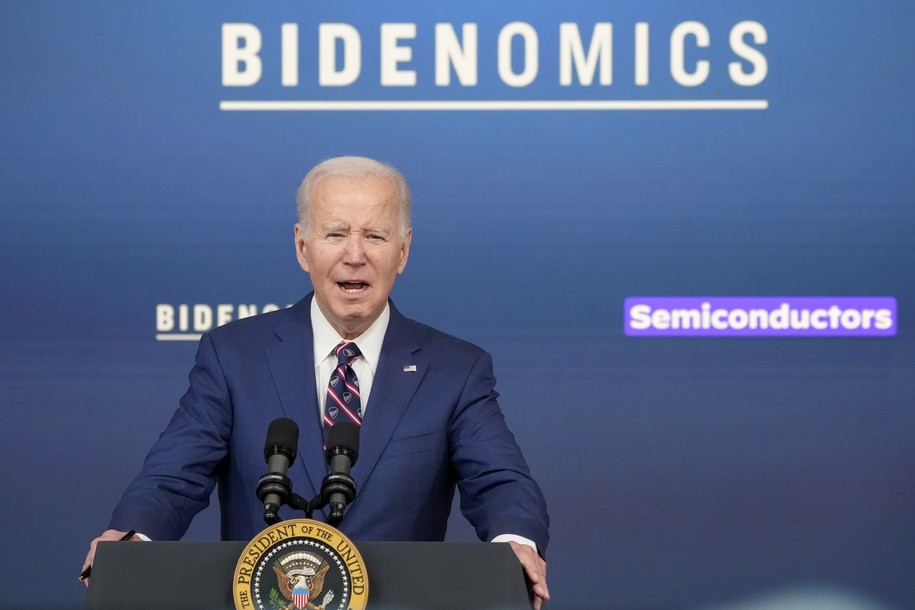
(300, 577)
(300, 564)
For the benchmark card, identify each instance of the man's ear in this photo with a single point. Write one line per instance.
(300, 251)
(405, 251)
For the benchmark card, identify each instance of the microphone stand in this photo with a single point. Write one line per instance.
(282, 486)
(307, 506)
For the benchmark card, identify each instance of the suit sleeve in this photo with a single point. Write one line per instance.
(498, 495)
(180, 471)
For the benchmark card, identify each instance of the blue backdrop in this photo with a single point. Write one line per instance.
(701, 473)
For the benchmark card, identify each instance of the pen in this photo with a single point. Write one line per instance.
(85, 573)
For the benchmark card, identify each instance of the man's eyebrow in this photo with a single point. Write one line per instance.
(377, 230)
(340, 227)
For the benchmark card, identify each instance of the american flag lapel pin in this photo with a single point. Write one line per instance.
(410, 368)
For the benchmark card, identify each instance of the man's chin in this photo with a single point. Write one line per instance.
(352, 321)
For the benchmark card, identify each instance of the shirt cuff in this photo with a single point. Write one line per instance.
(514, 538)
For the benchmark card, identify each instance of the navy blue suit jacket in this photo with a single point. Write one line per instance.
(424, 432)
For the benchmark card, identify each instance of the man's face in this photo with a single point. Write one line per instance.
(353, 249)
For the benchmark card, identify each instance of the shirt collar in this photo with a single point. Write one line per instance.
(369, 342)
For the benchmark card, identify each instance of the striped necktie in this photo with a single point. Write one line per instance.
(343, 402)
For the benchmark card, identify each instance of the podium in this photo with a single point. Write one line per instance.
(402, 576)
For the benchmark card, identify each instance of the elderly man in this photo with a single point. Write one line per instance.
(425, 401)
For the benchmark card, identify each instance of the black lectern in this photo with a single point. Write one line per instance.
(402, 576)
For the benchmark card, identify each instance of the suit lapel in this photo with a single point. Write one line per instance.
(393, 388)
(292, 366)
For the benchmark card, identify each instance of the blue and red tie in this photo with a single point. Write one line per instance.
(343, 402)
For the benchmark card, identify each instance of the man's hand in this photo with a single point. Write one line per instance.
(535, 568)
(113, 535)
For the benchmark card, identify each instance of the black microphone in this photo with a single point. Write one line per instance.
(274, 488)
(338, 487)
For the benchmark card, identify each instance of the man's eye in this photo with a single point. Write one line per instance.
(375, 237)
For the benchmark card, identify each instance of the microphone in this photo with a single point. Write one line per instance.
(338, 487)
(274, 488)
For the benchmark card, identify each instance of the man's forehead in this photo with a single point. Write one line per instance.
(368, 196)
(355, 204)
(355, 213)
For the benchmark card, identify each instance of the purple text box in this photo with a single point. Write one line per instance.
(760, 316)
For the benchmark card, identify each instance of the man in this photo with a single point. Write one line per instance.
(426, 403)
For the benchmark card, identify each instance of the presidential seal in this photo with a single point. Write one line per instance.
(300, 564)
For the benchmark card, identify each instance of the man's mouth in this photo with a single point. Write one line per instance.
(353, 287)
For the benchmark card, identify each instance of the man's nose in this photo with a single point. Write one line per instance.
(354, 252)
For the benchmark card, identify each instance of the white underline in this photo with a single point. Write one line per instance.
(178, 337)
(482, 105)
